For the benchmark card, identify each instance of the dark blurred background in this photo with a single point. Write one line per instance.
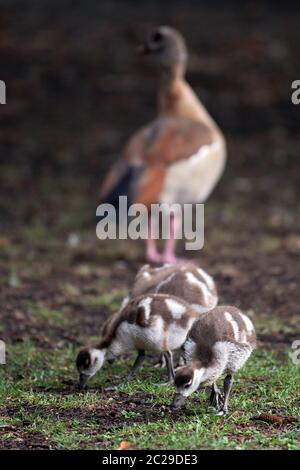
(76, 90)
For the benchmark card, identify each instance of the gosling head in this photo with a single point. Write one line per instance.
(187, 380)
(168, 47)
(88, 362)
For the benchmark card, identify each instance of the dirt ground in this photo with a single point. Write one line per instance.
(75, 92)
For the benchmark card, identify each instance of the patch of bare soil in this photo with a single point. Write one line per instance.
(115, 411)
(265, 284)
(22, 440)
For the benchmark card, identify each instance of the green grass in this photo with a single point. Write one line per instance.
(267, 383)
(52, 317)
(111, 299)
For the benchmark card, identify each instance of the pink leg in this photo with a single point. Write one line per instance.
(152, 254)
(169, 255)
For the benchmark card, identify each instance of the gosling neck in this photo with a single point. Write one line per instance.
(214, 369)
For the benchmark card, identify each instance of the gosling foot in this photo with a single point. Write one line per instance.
(111, 387)
(222, 411)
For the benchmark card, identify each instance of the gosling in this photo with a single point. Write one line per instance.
(151, 323)
(219, 342)
(185, 280)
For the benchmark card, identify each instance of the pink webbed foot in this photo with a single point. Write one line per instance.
(170, 259)
(153, 257)
(175, 260)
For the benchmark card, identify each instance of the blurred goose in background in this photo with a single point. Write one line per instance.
(179, 156)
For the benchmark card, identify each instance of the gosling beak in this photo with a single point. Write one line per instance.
(178, 401)
(83, 378)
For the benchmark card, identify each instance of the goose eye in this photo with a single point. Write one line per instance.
(157, 37)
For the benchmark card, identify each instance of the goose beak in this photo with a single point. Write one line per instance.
(143, 49)
(178, 401)
(147, 47)
(83, 378)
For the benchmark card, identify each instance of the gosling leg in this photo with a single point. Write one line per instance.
(137, 364)
(215, 396)
(228, 381)
(168, 356)
(161, 363)
(169, 362)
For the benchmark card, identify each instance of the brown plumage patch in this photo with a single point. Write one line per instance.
(213, 326)
(177, 99)
(141, 318)
(105, 326)
(153, 148)
(172, 280)
(170, 97)
(167, 140)
(146, 285)
(133, 313)
(178, 139)
(206, 354)
(137, 316)
(150, 185)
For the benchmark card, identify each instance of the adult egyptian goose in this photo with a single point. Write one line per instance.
(219, 342)
(179, 156)
(157, 323)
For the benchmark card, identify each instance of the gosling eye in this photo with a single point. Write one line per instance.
(188, 384)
